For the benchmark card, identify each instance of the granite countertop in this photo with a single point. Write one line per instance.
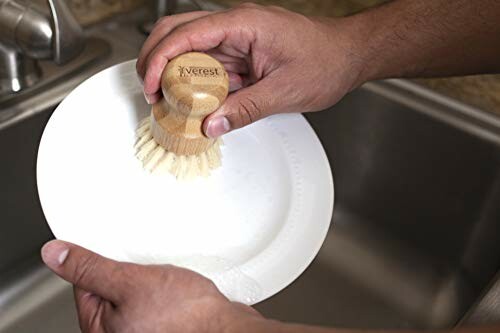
(482, 91)
(91, 11)
(314, 7)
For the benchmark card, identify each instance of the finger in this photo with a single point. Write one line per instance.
(235, 81)
(93, 311)
(86, 302)
(224, 57)
(201, 34)
(162, 28)
(244, 107)
(86, 270)
(235, 67)
(87, 305)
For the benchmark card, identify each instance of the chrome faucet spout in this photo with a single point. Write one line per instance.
(68, 41)
(27, 34)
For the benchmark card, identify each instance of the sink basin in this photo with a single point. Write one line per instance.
(414, 242)
(415, 237)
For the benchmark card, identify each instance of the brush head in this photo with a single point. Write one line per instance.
(194, 85)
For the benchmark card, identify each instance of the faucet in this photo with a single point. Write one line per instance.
(28, 34)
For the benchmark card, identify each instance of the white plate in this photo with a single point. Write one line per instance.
(253, 226)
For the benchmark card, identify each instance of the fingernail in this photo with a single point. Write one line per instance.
(235, 86)
(148, 99)
(54, 253)
(217, 127)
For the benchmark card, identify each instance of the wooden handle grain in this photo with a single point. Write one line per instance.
(194, 85)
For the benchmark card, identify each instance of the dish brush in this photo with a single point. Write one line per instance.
(171, 139)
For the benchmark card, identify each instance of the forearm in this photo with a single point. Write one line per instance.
(262, 325)
(407, 38)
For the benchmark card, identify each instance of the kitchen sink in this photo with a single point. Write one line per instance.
(415, 238)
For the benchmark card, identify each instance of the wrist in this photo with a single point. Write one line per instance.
(377, 44)
(351, 45)
(363, 53)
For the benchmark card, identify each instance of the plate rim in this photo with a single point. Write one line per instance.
(312, 252)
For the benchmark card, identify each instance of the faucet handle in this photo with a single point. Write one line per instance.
(68, 40)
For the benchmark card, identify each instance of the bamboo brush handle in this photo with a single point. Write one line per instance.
(194, 85)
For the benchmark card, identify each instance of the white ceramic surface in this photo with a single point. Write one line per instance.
(261, 218)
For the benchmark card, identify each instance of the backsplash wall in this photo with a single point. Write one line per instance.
(90, 11)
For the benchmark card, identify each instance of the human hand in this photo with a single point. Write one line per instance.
(278, 61)
(122, 297)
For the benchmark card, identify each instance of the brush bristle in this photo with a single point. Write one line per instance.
(157, 160)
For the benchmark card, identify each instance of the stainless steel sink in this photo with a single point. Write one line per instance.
(31, 298)
(415, 239)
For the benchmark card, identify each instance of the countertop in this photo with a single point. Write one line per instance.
(482, 91)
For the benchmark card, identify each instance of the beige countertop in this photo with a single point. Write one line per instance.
(91, 11)
(482, 91)
(315, 7)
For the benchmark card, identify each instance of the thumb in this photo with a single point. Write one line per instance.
(242, 108)
(86, 270)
